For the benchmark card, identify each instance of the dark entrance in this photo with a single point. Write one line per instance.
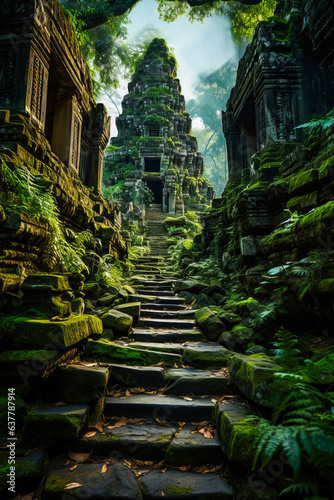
(152, 164)
(156, 187)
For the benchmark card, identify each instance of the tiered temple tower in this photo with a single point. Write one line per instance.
(155, 158)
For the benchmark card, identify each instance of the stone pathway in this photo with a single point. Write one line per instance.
(152, 432)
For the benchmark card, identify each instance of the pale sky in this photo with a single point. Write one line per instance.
(199, 47)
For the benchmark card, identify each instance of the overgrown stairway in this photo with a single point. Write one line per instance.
(137, 415)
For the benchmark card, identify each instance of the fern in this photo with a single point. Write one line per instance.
(285, 352)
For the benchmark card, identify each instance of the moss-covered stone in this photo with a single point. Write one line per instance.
(204, 300)
(38, 333)
(104, 350)
(206, 356)
(80, 384)
(117, 321)
(92, 290)
(236, 435)
(210, 323)
(253, 375)
(303, 182)
(52, 423)
(132, 309)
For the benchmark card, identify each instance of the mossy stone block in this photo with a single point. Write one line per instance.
(189, 286)
(92, 290)
(253, 375)
(203, 355)
(117, 321)
(203, 301)
(118, 479)
(236, 436)
(45, 282)
(210, 323)
(39, 333)
(107, 300)
(52, 423)
(132, 309)
(104, 350)
(80, 384)
(303, 182)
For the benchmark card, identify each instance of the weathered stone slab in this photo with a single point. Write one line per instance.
(186, 381)
(204, 355)
(42, 333)
(80, 384)
(189, 447)
(132, 309)
(138, 441)
(103, 350)
(177, 485)
(210, 323)
(253, 376)
(131, 376)
(117, 321)
(236, 435)
(49, 423)
(118, 483)
(162, 407)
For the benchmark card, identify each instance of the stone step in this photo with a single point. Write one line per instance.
(164, 307)
(154, 288)
(171, 408)
(157, 293)
(184, 485)
(184, 381)
(164, 335)
(147, 441)
(147, 377)
(158, 346)
(170, 300)
(167, 323)
(141, 281)
(206, 355)
(112, 352)
(149, 313)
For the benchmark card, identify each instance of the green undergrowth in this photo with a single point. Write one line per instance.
(30, 195)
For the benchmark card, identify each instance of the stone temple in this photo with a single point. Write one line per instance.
(155, 158)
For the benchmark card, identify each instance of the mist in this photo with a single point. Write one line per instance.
(199, 47)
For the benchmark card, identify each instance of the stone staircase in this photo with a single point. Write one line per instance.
(136, 418)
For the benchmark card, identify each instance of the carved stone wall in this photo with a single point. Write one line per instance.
(45, 78)
(285, 77)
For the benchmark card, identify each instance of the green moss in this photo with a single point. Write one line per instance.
(178, 490)
(107, 351)
(256, 186)
(303, 181)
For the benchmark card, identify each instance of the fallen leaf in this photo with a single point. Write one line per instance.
(208, 435)
(176, 366)
(90, 434)
(29, 496)
(127, 392)
(187, 399)
(104, 364)
(99, 426)
(162, 493)
(55, 318)
(89, 365)
(157, 420)
(201, 431)
(104, 468)
(79, 457)
(184, 467)
(214, 400)
(74, 467)
(60, 403)
(164, 470)
(181, 424)
(71, 486)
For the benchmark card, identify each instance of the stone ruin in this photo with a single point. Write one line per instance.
(155, 158)
(50, 123)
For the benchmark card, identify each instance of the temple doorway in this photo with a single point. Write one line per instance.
(156, 187)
